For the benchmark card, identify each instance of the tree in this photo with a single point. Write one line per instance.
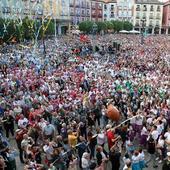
(127, 26)
(109, 25)
(118, 25)
(86, 26)
(101, 26)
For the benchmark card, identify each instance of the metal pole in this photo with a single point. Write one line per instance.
(55, 25)
(142, 36)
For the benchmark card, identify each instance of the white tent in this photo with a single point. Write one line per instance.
(124, 31)
(134, 32)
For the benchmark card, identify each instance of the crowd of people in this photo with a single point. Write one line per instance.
(55, 105)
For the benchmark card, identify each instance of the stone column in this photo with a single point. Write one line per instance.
(59, 29)
(166, 31)
(153, 30)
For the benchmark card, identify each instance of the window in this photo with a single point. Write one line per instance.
(152, 9)
(151, 16)
(158, 9)
(144, 8)
(105, 6)
(112, 7)
(138, 8)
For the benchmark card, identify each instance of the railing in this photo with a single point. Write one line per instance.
(6, 10)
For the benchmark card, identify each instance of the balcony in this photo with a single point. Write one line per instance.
(99, 6)
(71, 5)
(150, 17)
(93, 15)
(88, 15)
(137, 9)
(157, 25)
(100, 15)
(16, 10)
(144, 9)
(6, 10)
(152, 9)
(71, 13)
(93, 7)
(88, 6)
(137, 25)
(40, 12)
(158, 17)
(151, 25)
(77, 5)
(26, 11)
(137, 17)
(112, 16)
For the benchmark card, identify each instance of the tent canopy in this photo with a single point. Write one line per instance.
(134, 32)
(124, 31)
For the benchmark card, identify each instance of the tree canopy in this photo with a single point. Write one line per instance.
(114, 25)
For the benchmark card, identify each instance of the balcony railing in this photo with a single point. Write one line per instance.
(137, 25)
(71, 13)
(150, 17)
(100, 15)
(137, 9)
(6, 10)
(112, 16)
(93, 15)
(71, 5)
(93, 7)
(137, 17)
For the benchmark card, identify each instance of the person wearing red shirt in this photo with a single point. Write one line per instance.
(110, 136)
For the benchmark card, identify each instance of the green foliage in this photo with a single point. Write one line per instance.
(24, 29)
(115, 25)
(127, 26)
(86, 26)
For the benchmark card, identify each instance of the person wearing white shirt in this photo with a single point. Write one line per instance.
(22, 122)
(167, 137)
(160, 148)
(155, 133)
(141, 159)
(135, 161)
(144, 135)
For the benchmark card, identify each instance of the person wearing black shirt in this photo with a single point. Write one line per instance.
(166, 164)
(114, 156)
(8, 121)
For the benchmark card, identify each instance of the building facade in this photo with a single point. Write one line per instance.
(125, 10)
(110, 10)
(58, 10)
(79, 11)
(96, 7)
(19, 9)
(149, 12)
(166, 18)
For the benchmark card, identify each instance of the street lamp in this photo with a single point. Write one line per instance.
(143, 21)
